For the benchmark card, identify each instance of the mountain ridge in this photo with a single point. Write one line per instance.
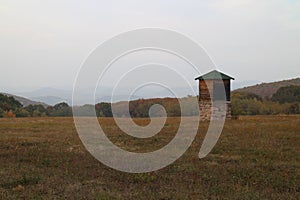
(266, 90)
(25, 101)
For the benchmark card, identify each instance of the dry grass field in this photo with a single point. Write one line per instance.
(256, 158)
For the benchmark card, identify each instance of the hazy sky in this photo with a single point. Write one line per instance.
(43, 43)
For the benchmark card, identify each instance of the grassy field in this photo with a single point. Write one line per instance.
(256, 158)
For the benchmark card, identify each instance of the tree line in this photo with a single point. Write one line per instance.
(285, 101)
(9, 107)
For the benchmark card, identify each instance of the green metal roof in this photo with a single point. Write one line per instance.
(214, 75)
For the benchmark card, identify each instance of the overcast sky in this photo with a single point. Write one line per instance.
(43, 43)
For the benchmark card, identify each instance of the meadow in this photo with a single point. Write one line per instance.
(256, 157)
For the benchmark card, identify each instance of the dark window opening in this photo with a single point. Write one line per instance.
(221, 91)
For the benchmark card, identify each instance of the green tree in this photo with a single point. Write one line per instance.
(103, 109)
(246, 104)
(36, 110)
(288, 94)
(23, 113)
(9, 103)
(60, 110)
(294, 109)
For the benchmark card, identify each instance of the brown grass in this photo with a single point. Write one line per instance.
(255, 158)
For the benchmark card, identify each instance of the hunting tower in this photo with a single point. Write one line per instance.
(214, 95)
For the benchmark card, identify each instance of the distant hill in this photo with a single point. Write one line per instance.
(268, 89)
(53, 96)
(51, 100)
(50, 96)
(24, 101)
